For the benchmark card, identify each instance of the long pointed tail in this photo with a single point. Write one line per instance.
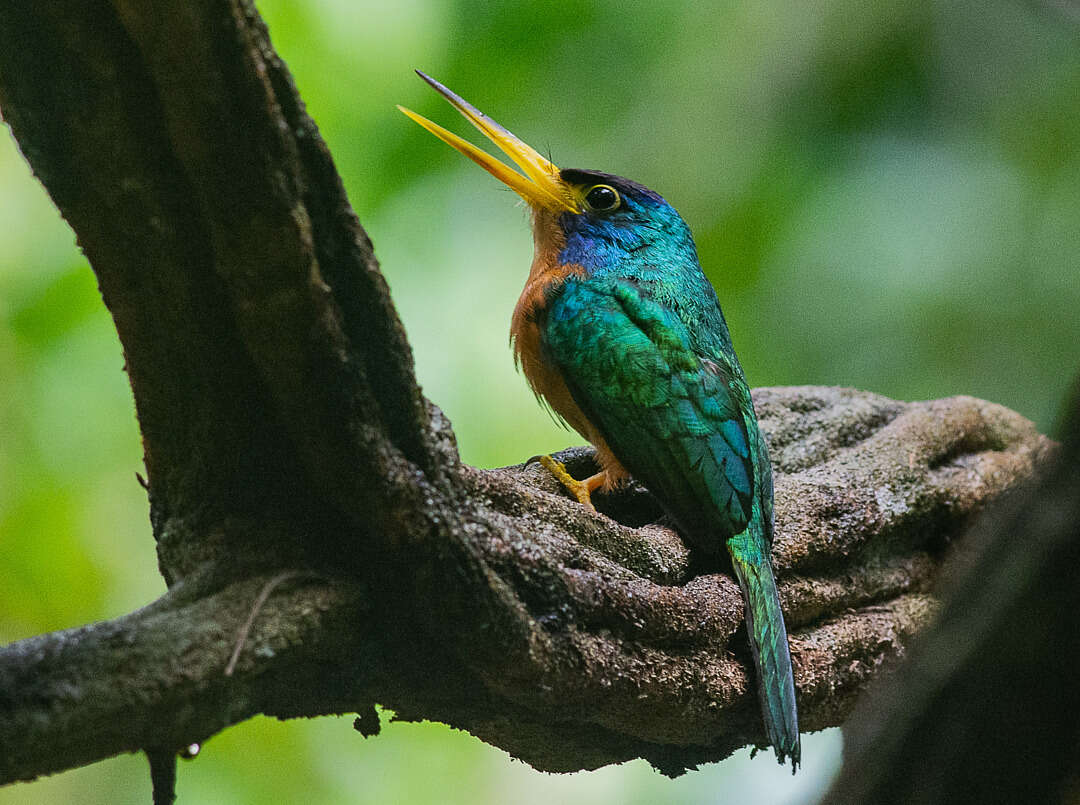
(769, 645)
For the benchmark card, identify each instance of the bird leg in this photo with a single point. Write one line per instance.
(582, 490)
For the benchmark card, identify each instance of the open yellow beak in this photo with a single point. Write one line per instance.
(541, 185)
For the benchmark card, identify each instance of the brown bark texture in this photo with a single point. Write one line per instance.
(308, 503)
(987, 708)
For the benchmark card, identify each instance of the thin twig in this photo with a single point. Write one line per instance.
(162, 775)
(245, 630)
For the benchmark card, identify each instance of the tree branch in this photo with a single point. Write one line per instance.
(284, 432)
(986, 708)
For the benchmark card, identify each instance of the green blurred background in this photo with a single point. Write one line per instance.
(885, 194)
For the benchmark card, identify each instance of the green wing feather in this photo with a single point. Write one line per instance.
(683, 424)
(673, 418)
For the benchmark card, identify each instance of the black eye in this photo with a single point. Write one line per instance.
(603, 198)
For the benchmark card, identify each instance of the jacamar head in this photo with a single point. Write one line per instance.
(580, 217)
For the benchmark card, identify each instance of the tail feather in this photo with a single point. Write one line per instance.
(769, 645)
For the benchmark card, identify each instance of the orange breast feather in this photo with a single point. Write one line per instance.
(545, 275)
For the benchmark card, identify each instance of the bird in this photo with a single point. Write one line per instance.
(621, 334)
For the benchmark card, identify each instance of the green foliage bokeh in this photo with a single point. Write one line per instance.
(886, 195)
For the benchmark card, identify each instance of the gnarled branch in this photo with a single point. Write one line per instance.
(986, 709)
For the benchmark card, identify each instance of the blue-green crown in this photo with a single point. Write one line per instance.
(644, 231)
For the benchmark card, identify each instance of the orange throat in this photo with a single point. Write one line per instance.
(545, 276)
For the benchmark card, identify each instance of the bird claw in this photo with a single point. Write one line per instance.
(581, 490)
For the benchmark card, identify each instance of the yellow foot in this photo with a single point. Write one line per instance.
(582, 490)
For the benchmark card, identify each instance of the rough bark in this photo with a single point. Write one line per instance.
(292, 458)
(987, 707)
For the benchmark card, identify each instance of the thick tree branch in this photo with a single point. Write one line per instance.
(284, 432)
(86, 693)
(623, 651)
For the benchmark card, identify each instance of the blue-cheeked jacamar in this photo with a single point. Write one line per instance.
(619, 331)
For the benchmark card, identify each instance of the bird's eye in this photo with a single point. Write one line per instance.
(603, 198)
